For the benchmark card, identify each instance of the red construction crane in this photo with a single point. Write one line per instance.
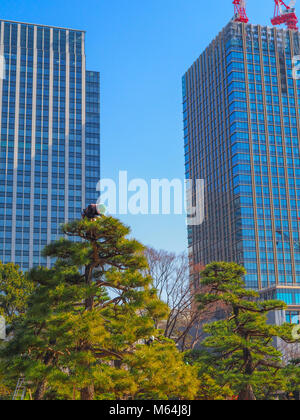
(240, 11)
(285, 16)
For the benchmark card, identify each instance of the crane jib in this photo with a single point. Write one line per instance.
(284, 14)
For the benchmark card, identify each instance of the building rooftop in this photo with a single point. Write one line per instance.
(41, 25)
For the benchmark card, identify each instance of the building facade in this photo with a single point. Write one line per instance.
(50, 137)
(242, 136)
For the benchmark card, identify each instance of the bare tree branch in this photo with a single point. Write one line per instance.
(171, 278)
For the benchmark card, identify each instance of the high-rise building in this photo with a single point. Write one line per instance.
(242, 136)
(50, 137)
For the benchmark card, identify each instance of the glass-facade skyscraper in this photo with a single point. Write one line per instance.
(50, 137)
(242, 136)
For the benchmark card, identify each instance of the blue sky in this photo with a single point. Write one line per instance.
(142, 49)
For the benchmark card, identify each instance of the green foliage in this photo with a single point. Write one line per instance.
(84, 332)
(15, 289)
(160, 373)
(4, 390)
(241, 345)
(292, 372)
(211, 384)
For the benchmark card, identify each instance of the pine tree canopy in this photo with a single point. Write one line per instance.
(15, 289)
(89, 319)
(241, 344)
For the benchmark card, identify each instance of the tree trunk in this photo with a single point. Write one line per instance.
(41, 390)
(88, 393)
(118, 364)
(247, 394)
(89, 302)
(42, 386)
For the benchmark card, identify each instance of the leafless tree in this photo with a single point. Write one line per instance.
(290, 351)
(171, 278)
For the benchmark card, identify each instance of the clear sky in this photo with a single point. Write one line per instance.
(142, 49)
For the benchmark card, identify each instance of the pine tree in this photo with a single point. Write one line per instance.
(161, 373)
(211, 384)
(89, 317)
(241, 345)
(15, 289)
(292, 373)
